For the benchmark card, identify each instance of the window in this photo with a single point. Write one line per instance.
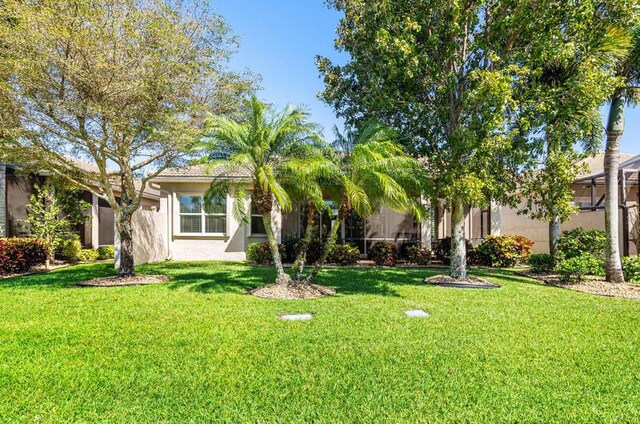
(200, 217)
(257, 223)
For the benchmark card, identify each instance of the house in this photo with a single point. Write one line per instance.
(16, 188)
(192, 231)
(589, 198)
(186, 229)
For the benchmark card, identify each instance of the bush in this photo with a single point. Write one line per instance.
(576, 242)
(476, 257)
(406, 247)
(442, 250)
(344, 254)
(314, 251)
(631, 268)
(419, 255)
(291, 245)
(20, 254)
(88, 255)
(260, 253)
(383, 253)
(505, 251)
(106, 252)
(70, 249)
(577, 267)
(541, 262)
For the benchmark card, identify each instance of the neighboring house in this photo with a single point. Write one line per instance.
(16, 188)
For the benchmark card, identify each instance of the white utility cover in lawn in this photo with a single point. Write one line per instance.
(296, 317)
(416, 313)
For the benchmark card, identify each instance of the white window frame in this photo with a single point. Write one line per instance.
(253, 216)
(202, 214)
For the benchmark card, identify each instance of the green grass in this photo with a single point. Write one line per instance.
(198, 349)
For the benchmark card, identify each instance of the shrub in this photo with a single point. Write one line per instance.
(260, 253)
(20, 254)
(88, 255)
(631, 268)
(406, 247)
(314, 251)
(442, 250)
(577, 267)
(383, 253)
(291, 245)
(344, 254)
(70, 249)
(505, 251)
(419, 255)
(579, 241)
(541, 262)
(106, 252)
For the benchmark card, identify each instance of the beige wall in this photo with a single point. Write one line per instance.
(538, 231)
(149, 239)
(181, 247)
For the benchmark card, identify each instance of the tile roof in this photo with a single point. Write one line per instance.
(204, 171)
(595, 163)
(596, 166)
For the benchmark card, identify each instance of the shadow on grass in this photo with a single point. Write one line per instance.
(236, 277)
(60, 278)
(208, 277)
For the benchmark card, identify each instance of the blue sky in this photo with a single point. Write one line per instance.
(279, 40)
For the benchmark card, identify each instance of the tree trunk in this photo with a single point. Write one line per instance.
(331, 242)
(615, 127)
(301, 258)
(458, 266)
(125, 232)
(281, 276)
(554, 236)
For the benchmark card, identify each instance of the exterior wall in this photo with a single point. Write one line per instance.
(18, 188)
(149, 239)
(477, 223)
(182, 247)
(538, 231)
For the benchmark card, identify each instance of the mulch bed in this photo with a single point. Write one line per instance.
(292, 291)
(137, 280)
(468, 283)
(591, 285)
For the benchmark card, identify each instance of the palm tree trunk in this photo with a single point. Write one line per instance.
(458, 266)
(301, 258)
(281, 276)
(331, 242)
(554, 236)
(615, 127)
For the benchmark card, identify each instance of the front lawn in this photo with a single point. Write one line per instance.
(198, 349)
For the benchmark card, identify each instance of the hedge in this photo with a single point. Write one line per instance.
(20, 254)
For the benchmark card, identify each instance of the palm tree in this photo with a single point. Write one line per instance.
(629, 71)
(274, 148)
(368, 171)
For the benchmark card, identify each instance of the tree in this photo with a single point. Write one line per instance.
(274, 148)
(52, 212)
(444, 74)
(124, 84)
(629, 71)
(370, 170)
(568, 83)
